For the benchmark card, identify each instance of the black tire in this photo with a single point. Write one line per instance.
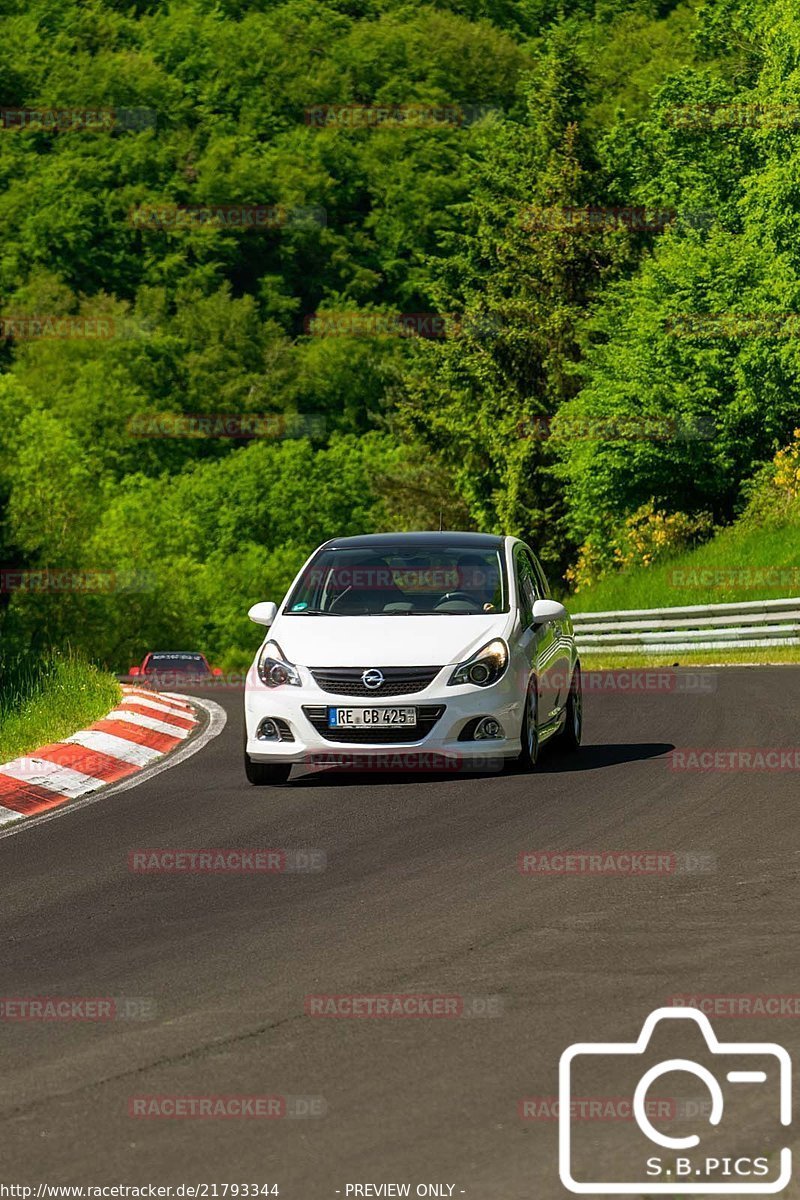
(529, 736)
(264, 774)
(569, 738)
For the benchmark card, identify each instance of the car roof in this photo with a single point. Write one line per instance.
(422, 540)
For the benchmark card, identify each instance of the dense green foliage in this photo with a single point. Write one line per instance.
(558, 338)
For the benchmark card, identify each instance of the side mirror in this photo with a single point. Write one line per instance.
(548, 610)
(263, 613)
(135, 671)
(217, 672)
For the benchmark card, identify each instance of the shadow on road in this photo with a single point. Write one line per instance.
(347, 777)
(610, 754)
(588, 758)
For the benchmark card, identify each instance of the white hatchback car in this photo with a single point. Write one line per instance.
(427, 644)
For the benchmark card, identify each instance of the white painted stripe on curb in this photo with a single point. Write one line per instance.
(115, 747)
(217, 718)
(148, 703)
(119, 714)
(166, 697)
(52, 776)
(10, 814)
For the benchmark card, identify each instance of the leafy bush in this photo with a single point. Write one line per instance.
(773, 495)
(642, 539)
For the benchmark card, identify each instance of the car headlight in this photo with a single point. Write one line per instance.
(485, 667)
(273, 669)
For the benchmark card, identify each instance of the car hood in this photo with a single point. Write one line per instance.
(422, 641)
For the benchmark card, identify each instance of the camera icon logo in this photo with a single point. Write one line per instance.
(674, 1170)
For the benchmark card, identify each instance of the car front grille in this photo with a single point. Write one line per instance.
(397, 681)
(427, 716)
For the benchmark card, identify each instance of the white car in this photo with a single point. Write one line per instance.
(444, 644)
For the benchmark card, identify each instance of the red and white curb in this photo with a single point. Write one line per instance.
(140, 731)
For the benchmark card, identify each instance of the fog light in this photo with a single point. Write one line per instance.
(268, 731)
(488, 728)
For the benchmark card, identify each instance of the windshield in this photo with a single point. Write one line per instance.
(402, 581)
(184, 664)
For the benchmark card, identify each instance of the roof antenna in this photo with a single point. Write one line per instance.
(441, 526)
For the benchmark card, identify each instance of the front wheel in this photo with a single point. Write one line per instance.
(569, 738)
(262, 774)
(530, 729)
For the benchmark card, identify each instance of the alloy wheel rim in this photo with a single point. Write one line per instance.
(531, 723)
(577, 712)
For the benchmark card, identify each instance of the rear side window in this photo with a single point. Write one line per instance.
(544, 589)
(527, 586)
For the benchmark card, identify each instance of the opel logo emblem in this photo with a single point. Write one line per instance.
(373, 678)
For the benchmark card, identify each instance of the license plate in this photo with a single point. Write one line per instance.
(357, 718)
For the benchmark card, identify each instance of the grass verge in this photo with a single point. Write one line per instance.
(766, 656)
(739, 564)
(46, 699)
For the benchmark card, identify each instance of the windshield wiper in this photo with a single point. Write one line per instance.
(313, 612)
(395, 612)
(411, 612)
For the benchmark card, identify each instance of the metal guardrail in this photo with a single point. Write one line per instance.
(693, 627)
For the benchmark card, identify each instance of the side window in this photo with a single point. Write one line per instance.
(536, 582)
(526, 588)
(544, 589)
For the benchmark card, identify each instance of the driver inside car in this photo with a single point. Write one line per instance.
(367, 587)
(478, 579)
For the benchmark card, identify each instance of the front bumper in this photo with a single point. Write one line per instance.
(303, 708)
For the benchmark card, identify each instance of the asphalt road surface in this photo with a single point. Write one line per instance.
(421, 894)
